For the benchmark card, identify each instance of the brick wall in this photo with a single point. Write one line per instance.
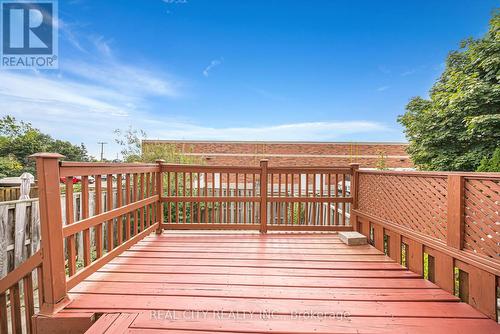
(293, 153)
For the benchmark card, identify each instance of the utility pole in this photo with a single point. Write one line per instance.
(102, 148)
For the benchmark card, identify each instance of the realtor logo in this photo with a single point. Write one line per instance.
(29, 34)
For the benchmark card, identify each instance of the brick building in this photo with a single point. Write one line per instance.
(368, 154)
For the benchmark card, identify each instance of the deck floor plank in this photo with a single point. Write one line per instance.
(275, 283)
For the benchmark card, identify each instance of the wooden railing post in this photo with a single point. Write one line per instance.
(354, 194)
(455, 224)
(159, 207)
(55, 295)
(263, 195)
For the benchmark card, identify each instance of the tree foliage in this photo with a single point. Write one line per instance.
(19, 140)
(490, 164)
(133, 150)
(459, 125)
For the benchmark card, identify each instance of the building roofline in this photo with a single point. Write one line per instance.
(159, 141)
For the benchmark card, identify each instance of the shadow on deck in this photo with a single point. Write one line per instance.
(202, 282)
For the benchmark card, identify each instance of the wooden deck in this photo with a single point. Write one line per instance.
(204, 282)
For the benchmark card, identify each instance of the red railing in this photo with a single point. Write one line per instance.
(441, 222)
(445, 223)
(257, 198)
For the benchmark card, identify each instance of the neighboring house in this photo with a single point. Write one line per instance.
(368, 154)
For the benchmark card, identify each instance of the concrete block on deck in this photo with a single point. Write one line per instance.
(352, 238)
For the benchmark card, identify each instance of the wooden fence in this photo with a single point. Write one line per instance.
(446, 222)
(13, 193)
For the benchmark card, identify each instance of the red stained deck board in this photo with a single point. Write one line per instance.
(284, 273)
(285, 324)
(361, 250)
(361, 264)
(107, 303)
(264, 281)
(238, 291)
(159, 269)
(256, 256)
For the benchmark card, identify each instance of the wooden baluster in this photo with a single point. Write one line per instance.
(98, 210)
(141, 196)
(85, 214)
(245, 204)
(147, 208)
(54, 276)
(29, 305)
(169, 194)
(198, 195)
(15, 309)
(253, 194)
(321, 204)
(292, 191)
(119, 195)
(329, 196)
(279, 203)
(314, 204)
(220, 194)
(71, 243)
(135, 190)
(159, 189)
(154, 191)
(191, 193)
(184, 195)
(213, 195)
(127, 201)
(307, 203)
(286, 203)
(109, 207)
(205, 193)
(336, 214)
(228, 194)
(4, 329)
(263, 195)
(39, 276)
(344, 196)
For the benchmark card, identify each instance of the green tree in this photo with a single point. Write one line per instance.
(459, 125)
(9, 166)
(134, 151)
(18, 140)
(492, 164)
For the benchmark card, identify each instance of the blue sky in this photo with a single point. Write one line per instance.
(240, 70)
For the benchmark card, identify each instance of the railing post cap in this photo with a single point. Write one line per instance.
(46, 155)
(354, 165)
(264, 161)
(159, 161)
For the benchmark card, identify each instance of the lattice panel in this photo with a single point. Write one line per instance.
(416, 202)
(482, 220)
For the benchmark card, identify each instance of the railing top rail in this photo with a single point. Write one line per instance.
(204, 168)
(491, 175)
(104, 164)
(308, 169)
(98, 168)
(253, 169)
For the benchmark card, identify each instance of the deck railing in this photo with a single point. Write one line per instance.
(445, 223)
(441, 221)
(257, 198)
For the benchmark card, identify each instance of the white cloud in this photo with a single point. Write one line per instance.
(293, 131)
(382, 88)
(214, 63)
